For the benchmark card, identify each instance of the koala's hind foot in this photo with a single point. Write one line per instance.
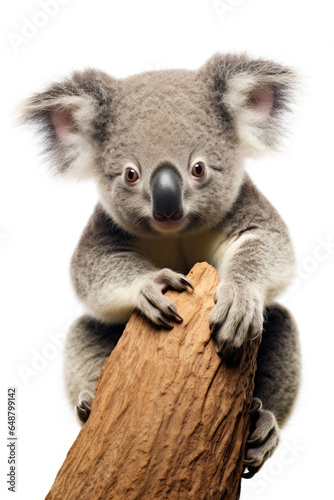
(276, 386)
(84, 406)
(263, 438)
(89, 342)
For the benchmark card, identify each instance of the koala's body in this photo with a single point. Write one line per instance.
(167, 151)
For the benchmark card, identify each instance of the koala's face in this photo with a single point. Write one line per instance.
(165, 147)
(169, 165)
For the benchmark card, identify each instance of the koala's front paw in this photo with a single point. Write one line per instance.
(154, 305)
(263, 439)
(236, 315)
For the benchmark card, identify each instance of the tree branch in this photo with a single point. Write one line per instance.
(170, 418)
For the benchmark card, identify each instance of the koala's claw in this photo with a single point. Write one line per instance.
(237, 315)
(84, 407)
(165, 323)
(234, 355)
(185, 282)
(231, 354)
(256, 405)
(176, 314)
(263, 439)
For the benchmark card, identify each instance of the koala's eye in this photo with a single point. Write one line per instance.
(198, 170)
(131, 175)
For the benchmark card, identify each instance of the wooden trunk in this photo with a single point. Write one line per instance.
(170, 418)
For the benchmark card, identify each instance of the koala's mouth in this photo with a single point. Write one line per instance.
(169, 225)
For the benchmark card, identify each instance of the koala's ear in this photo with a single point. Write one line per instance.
(252, 97)
(74, 117)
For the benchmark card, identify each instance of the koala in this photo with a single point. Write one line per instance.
(167, 151)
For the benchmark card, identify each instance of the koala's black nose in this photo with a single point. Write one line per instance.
(167, 194)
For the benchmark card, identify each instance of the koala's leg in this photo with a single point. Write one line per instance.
(89, 342)
(276, 385)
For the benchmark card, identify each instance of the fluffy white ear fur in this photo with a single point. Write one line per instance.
(71, 119)
(67, 122)
(254, 95)
(251, 99)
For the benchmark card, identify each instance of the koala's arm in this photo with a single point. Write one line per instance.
(255, 263)
(112, 279)
(260, 253)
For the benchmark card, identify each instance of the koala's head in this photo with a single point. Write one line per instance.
(167, 147)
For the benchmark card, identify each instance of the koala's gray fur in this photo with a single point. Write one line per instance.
(169, 123)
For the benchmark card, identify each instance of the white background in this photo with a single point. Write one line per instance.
(41, 219)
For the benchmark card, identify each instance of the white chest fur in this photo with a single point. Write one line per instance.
(180, 253)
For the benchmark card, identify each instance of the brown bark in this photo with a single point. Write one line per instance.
(170, 418)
